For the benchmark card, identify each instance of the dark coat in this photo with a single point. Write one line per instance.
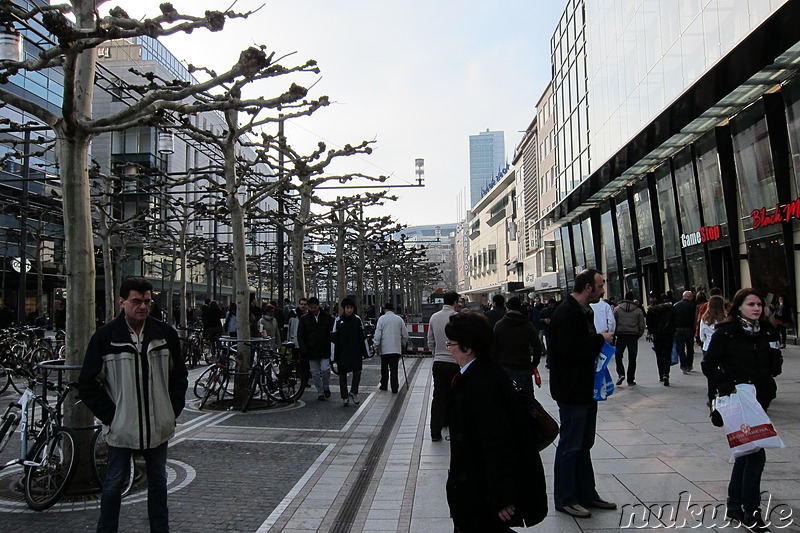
(573, 347)
(516, 342)
(661, 319)
(495, 314)
(684, 314)
(314, 336)
(349, 342)
(493, 463)
(735, 357)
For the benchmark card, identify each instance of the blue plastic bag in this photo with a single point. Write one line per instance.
(675, 358)
(603, 383)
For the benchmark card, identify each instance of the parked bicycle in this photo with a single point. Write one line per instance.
(196, 348)
(50, 462)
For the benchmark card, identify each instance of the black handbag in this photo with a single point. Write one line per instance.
(544, 426)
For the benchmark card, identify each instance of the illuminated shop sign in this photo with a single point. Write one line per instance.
(783, 213)
(704, 234)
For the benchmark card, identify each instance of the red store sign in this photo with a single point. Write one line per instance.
(783, 213)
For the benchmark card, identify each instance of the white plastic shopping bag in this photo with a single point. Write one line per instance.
(747, 426)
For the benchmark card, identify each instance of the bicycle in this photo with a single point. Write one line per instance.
(195, 347)
(50, 464)
(276, 375)
(100, 462)
(214, 380)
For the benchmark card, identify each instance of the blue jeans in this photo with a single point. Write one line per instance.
(574, 474)
(111, 500)
(744, 489)
(631, 342)
(321, 374)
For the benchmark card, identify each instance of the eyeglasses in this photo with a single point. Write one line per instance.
(136, 302)
(449, 344)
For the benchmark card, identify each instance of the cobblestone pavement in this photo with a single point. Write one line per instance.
(320, 467)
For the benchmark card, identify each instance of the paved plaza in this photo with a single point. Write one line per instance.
(320, 467)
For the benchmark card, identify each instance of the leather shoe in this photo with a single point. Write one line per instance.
(574, 510)
(601, 504)
(620, 380)
(436, 438)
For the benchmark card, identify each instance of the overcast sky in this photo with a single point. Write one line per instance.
(419, 77)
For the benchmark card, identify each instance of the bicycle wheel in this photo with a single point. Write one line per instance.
(100, 463)
(270, 381)
(291, 383)
(215, 384)
(18, 379)
(186, 354)
(253, 387)
(200, 383)
(53, 469)
(4, 379)
(7, 428)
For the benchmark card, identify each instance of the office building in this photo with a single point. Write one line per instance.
(487, 159)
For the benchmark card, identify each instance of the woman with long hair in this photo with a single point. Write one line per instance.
(744, 349)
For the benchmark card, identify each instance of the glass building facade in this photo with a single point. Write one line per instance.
(694, 135)
(486, 159)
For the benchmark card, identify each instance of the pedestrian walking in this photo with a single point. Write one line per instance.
(744, 349)
(134, 381)
(516, 345)
(661, 325)
(684, 318)
(348, 350)
(314, 338)
(630, 326)
(391, 336)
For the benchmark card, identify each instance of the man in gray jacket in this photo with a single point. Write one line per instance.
(630, 326)
(134, 380)
(391, 336)
(444, 365)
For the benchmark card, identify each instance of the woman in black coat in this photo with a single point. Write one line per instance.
(496, 479)
(350, 348)
(744, 349)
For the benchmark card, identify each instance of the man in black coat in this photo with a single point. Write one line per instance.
(516, 345)
(314, 338)
(661, 324)
(574, 345)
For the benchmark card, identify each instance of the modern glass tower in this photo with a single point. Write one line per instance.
(486, 159)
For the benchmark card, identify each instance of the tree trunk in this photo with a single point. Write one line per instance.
(341, 274)
(239, 261)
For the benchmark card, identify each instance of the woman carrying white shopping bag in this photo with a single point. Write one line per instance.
(744, 349)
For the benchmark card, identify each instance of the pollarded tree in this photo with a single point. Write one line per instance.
(75, 53)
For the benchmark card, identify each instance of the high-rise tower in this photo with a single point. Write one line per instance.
(486, 159)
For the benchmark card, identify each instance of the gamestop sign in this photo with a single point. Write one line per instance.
(704, 234)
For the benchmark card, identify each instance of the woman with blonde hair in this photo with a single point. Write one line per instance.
(715, 313)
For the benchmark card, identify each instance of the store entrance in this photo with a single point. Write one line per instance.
(653, 279)
(722, 273)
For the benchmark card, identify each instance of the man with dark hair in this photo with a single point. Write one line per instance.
(516, 345)
(391, 336)
(498, 309)
(444, 366)
(134, 380)
(574, 345)
(661, 324)
(314, 337)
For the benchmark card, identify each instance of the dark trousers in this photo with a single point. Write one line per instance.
(353, 385)
(111, 499)
(744, 489)
(389, 370)
(684, 339)
(631, 342)
(443, 374)
(573, 471)
(662, 344)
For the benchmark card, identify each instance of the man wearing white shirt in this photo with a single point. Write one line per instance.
(444, 366)
(391, 335)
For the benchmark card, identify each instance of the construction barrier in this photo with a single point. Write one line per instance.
(418, 338)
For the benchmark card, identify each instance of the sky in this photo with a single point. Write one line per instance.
(417, 77)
